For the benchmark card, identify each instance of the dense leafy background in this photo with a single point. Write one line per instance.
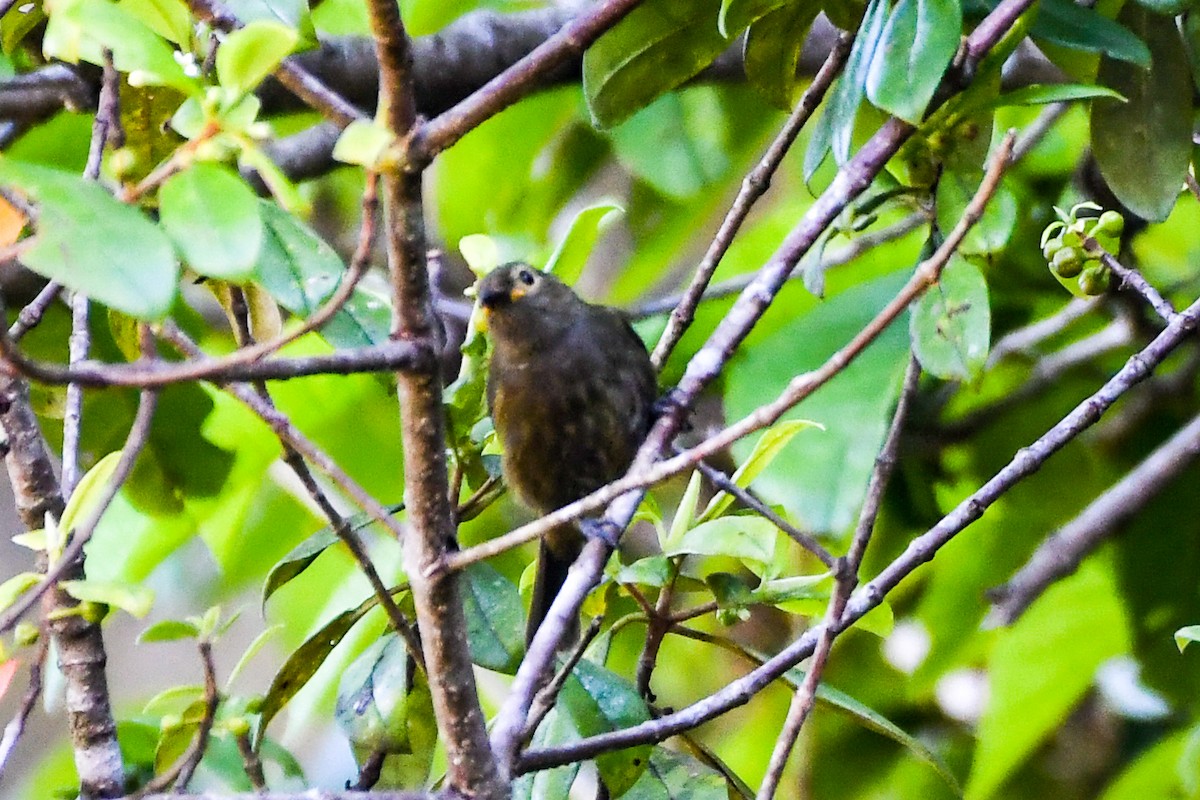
(1085, 696)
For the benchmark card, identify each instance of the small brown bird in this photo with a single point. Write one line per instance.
(572, 392)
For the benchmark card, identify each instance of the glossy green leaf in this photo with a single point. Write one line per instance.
(556, 729)
(256, 645)
(134, 600)
(495, 619)
(250, 54)
(1065, 23)
(735, 15)
(1185, 636)
(363, 142)
(173, 700)
(685, 511)
(304, 662)
(1075, 626)
(169, 630)
(1042, 93)
(674, 776)
(372, 707)
(656, 47)
(915, 47)
(213, 218)
(299, 559)
(992, 231)
(768, 446)
(300, 271)
(599, 701)
(951, 323)
(842, 104)
(1143, 146)
(90, 242)
(572, 253)
(771, 52)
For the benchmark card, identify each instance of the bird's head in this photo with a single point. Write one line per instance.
(522, 304)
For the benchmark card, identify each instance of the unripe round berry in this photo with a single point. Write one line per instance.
(1067, 262)
(1094, 280)
(1111, 223)
(1051, 248)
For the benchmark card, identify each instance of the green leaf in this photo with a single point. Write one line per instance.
(92, 243)
(1077, 27)
(293, 14)
(83, 501)
(576, 247)
(134, 600)
(80, 30)
(1143, 146)
(1042, 667)
(685, 512)
(304, 554)
(173, 700)
(214, 220)
(372, 696)
(16, 586)
(917, 43)
(1184, 636)
(673, 144)
(1042, 93)
(363, 142)
(872, 720)
(556, 729)
(749, 539)
(599, 701)
(843, 105)
(495, 619)
(768, 446)
(169, 630)
(250, 54)
(1153, 772)
(951, 323)
(300, 271)
(168, 18)
(735, 15)
(771, 53)
(251, 651)
(306, 660)
(656, 47)
(1167, 7)
(674, 776)
(821, 478)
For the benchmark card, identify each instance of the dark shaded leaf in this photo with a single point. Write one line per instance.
(1143, 146)
(951, 323)
(495, 619)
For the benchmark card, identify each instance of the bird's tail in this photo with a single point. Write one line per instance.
(556, 554)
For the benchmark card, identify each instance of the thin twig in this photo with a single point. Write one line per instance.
(31, 315)
(16, 725)
(185, 766)
(544, 700)
(1131, 279)
(748, 499)
(753, 187)
(1062, 551)
(856, 248)
(251, 763)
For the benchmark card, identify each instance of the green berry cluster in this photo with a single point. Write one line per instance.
(1063, 248)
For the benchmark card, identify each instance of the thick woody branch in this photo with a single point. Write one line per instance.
(471, 767)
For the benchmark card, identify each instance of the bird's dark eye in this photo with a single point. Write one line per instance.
(526, 277)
